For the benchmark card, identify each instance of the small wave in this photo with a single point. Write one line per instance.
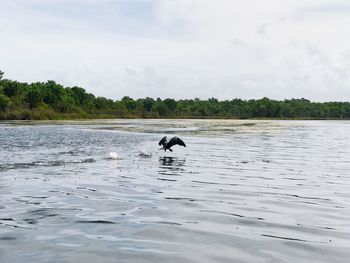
(7, 238)
(88, 160)
(285, 238)
(10, 166)
(94, 222)
(144, 154)
(55, 163)
(162, 222)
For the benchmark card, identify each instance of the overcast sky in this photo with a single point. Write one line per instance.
(181, 48)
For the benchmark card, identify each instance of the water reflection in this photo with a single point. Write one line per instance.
(172, 163)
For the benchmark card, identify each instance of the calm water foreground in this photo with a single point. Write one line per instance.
(242, 191)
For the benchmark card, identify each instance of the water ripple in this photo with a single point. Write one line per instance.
(241, 191)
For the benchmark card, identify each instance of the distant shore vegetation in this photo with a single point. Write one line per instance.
(51, 101)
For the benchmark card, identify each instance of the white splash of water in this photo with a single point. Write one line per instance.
(114, 156)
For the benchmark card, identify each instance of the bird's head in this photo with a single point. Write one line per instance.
(163, 141)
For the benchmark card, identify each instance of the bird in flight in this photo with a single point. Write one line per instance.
(168, 144)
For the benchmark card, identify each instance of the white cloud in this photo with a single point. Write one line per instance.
(181, 48)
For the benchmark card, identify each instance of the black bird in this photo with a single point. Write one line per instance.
(168, 144)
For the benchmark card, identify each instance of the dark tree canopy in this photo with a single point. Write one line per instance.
(50, 100)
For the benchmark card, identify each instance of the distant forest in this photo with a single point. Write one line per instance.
(49, 101)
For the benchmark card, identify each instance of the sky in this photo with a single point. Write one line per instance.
(181, 49)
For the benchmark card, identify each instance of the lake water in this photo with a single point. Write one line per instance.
(241, 191)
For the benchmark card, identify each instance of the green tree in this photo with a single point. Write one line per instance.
(34, 98)
(148, 103)
(102, 103)
(5, 102)
(12, 88)
(80, 96)
(170, 105)
(129, 103)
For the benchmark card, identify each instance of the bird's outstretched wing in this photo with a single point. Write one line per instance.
(175, 140)
(163, 141)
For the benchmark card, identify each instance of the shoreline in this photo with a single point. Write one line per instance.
(174, 118)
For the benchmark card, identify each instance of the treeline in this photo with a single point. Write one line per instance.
(49, 100)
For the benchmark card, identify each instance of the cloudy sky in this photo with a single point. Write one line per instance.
(181, 48)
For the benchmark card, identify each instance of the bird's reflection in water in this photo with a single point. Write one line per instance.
(171, 164)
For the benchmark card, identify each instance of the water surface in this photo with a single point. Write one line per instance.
(241, 191)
